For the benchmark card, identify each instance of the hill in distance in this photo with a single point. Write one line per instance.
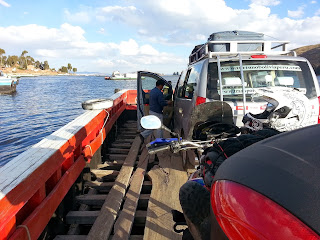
(312, 53)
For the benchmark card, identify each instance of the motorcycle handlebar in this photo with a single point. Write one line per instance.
(176, 146)
(158, 149)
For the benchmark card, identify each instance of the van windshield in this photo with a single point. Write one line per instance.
(257, 74)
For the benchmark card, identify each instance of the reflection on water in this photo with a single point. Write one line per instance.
(44, 104)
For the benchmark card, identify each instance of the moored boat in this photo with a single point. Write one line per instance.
(7, 83)
(116, 75)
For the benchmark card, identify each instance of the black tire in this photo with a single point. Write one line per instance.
(195, 202)
(187, 235)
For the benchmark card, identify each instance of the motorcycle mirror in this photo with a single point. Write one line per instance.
(150, 122)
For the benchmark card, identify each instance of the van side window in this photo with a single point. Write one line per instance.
(179, 83)
(190, 84)
(212, 82)
(192, 77)
(181, 88)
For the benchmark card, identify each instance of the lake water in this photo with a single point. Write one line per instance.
(44, 104)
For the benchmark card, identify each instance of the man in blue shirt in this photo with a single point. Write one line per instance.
(156, 103)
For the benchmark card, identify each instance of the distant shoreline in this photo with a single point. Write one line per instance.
(32, 73)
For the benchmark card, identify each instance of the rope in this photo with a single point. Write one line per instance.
(101, 137)
(27, 229)
(90, 149)
(100, 132)
(104, 125)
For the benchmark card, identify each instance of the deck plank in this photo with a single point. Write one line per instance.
(70, 237)
(115, 156)
(111, 164)
(123, 225)
(167, 178)
(121, 145)
(93, 200)
(90, 217)
(74, 229)
(100, 186)
(102, 227)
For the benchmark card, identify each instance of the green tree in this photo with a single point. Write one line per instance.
(12, 60)
(4, 59)
(69, 67)
(30, 60)
(1, 53)
(63, 69)
(46, 65)
(74, 70)
(37, 64)
(22, 60)
(24, 52)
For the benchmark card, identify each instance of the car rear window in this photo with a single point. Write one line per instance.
(258, 74)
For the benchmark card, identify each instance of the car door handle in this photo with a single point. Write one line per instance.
(180, 110)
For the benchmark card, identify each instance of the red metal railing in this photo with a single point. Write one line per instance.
(27, 208)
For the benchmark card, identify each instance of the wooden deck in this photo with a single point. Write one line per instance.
(131, 195)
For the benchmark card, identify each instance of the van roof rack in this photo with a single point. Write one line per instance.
(211, 49)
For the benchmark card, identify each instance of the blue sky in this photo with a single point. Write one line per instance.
(131, 35)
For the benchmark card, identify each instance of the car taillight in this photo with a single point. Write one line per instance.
(200, 100)
(319, 110)
(258, 56)
(243, 213)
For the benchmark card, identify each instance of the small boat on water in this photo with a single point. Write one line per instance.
(116, 75)
(7, 83)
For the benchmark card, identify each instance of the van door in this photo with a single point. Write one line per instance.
(146, 81)
(184, 101)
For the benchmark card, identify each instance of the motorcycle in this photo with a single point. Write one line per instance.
(269, 190)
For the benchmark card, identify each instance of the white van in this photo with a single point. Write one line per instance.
(225, 74)
(221, 85)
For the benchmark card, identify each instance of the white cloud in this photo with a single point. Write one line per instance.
(298, 13)
(5, 4)
(104, 63)
(148, 50)
(138, 33)
(46, 53)
(79, 17)
(113, 9)
(266, 2)
(313, 2)
(130, 47)
(60, 46)
(116, 13)
(102, 31)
